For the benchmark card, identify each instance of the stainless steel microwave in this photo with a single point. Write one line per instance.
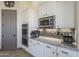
(47, 22)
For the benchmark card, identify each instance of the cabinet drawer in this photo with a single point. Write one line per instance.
(62, 52)
(49, 50)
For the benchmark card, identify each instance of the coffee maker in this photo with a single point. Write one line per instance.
(68, 38)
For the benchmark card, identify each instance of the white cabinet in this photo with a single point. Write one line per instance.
(62, 52)
(47, 9)
(42, 10)
(36, 48)
(64, 13)
(39, 49)
(51, 8)
(32, 47)
(49, 50)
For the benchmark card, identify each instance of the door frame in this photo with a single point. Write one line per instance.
(16, 25)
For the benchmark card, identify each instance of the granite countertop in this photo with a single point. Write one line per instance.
(56, 42)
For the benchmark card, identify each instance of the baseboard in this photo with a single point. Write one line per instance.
(10, 49)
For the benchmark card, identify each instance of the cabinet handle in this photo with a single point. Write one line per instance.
(57, 54)
(34, 45)
(38, 43)
(65, 52)
(48, 46)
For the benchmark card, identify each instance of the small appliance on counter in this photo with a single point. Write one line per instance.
(68, 38)
(35, 34)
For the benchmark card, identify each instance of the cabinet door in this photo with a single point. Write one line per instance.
(32, 47)
(42, 10)
(62, 52)
(51, 8)
(39, 49)
(65, 14)
(48, 50)
(36, 48)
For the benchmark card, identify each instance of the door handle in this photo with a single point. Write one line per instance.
(64, 52)
(2, 35)
(48, 46)
(14, 35)
(2, 24)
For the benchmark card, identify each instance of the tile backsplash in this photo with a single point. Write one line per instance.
(57, 32)
(54, 31)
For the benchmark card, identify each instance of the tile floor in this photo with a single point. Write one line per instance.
(15, 53)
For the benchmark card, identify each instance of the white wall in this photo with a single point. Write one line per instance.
(77, 22)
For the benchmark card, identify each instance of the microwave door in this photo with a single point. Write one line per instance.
(44, 23)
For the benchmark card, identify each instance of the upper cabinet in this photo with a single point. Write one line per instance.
(42, 10)
(47, 9)
(64, 13)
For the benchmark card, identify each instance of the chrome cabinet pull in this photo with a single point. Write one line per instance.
(65, 52)
(38, 43)
(48, 46)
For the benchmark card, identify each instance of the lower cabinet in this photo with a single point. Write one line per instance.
(40, 49)
(49, 50)
(32, 47)
(62, 52)
(36, 48)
